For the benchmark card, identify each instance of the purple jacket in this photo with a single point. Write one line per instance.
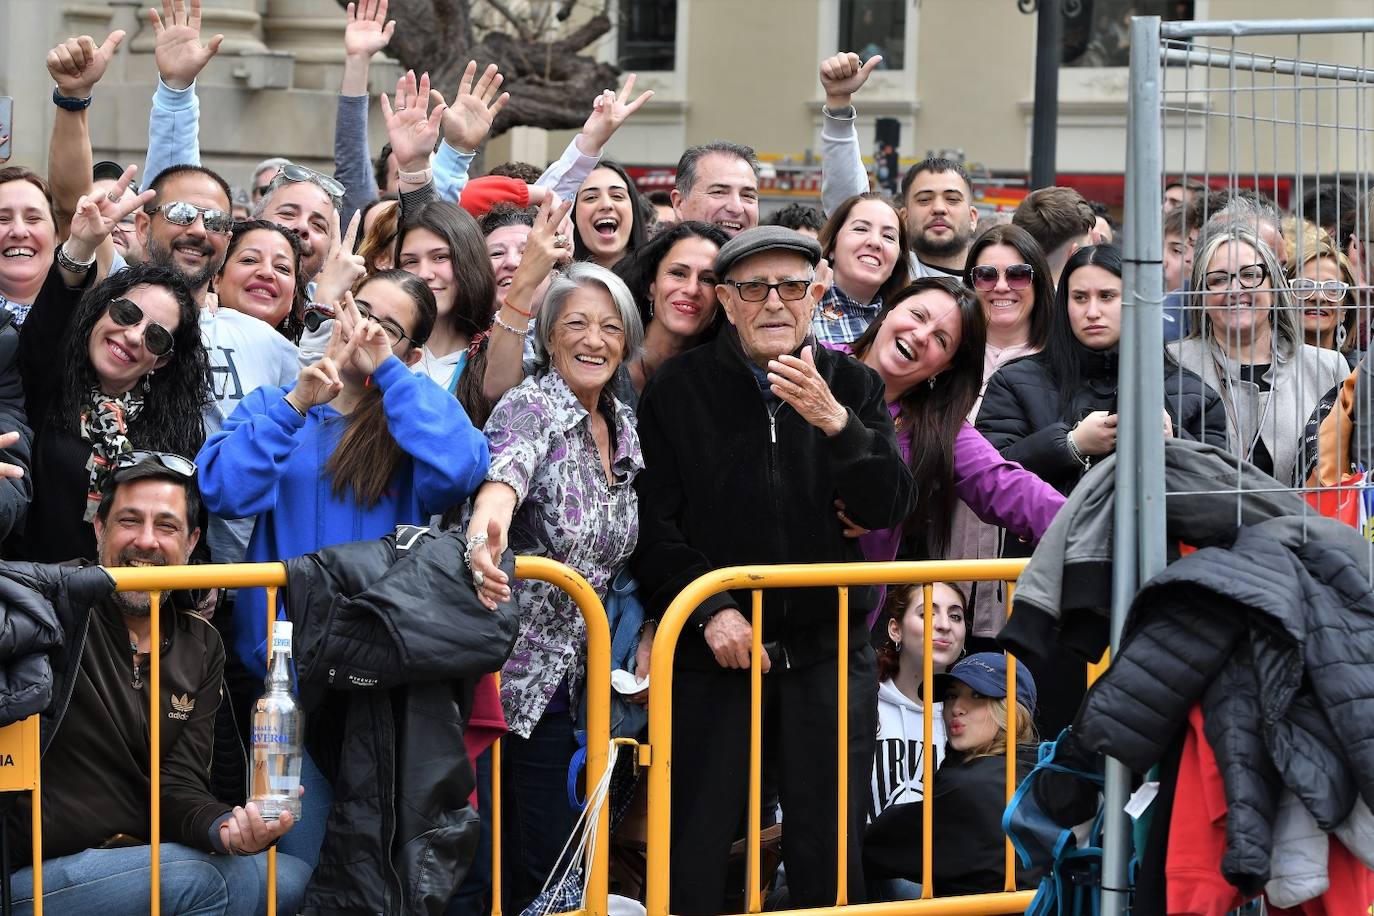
(1001, 492)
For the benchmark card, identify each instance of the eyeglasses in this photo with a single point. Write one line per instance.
(1247, 277)
(295, 172)
(1330, 290)
(179, 465)
(180, 213)
(394, 332)
(1019, 276)
(757, 290)
(127, 314)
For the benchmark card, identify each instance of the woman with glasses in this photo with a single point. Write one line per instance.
(1247, 345)
(565, 453)
(1008, 272)
(864, 241)
(1055, 412)
(357, 446)
(107, 369)
(1323, 284)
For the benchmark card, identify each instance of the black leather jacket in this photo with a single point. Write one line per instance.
(389, 642)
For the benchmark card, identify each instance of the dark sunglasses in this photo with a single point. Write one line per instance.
(126, 313)
(169, 461)
(1019, 276)
(180, 213)
(295, 172)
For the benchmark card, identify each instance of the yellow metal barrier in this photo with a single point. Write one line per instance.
(841, 576)
(19, 742)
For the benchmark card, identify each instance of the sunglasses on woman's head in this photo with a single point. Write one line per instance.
(126, 313)
(1019, 276)
(180, 213)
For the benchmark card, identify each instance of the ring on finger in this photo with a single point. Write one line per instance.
(560, 241)
(112, 197)
(478, 578)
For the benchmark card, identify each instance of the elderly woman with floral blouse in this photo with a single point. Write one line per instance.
(564, 455)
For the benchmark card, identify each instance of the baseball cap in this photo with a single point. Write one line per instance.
(108, 170)
(986, 672)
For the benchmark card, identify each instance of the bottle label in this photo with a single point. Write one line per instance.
(266, 734)
(281, 636)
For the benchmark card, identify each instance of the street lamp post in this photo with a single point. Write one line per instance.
(1049, 43)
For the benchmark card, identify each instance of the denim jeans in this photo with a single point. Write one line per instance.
(115, 882)
(304, 840)
(536, 816)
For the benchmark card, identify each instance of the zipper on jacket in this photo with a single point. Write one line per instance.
(70, 687)
(774, 486)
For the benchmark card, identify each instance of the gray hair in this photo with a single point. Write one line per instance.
(1212, 237)
(281, 181)
(578, 275)
(687, 165)
(1246, 210)
(276, 162)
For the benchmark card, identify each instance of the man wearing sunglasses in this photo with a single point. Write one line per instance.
(186, 226)
(96, 830)
(301, 199)
(767, 431)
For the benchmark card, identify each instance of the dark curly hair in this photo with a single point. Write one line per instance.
(639, 268)
(172, 418)
(291, 326)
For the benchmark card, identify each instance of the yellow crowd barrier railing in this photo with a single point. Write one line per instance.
(20, 740)
(841, 576)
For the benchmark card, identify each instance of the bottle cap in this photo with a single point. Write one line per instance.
(281, 636)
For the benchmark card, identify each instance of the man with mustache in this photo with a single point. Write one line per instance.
(96, 766)
(936, 193)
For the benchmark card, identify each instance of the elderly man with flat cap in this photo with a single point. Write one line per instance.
(749, 442)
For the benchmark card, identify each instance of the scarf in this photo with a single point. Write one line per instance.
(105, 425)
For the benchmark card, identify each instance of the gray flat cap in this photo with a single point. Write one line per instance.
(765, 238)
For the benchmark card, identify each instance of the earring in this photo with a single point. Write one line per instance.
(931, 382)
(897, 644)
(1340, 336)
(148, 382)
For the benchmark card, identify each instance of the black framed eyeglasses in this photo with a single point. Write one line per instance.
(1019, 276)
(178, 465)
(181, 213)
(1251, 276)
(1305, 288)
(127, 314)
(757, 290)
(394, 332)
(293, 172)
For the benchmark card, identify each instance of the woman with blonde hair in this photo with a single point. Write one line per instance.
(1323, 283)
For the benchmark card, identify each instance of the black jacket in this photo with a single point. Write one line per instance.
(730, 478)
(389, 642)
(15, 492)
(1021, 415)
(1273, 637)
(969, 856)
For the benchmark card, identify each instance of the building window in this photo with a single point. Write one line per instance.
(646, 37)
(1097, 33)
(871, 27)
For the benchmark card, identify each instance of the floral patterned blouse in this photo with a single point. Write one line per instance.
(541, 444)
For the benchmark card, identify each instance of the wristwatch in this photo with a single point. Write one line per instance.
(69, 104)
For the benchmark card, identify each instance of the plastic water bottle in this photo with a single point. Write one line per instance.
(278, 735)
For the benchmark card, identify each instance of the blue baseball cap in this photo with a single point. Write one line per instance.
(986, 672)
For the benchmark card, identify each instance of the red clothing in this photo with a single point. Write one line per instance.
(481, 194)
(486, 725)
(1197, 841)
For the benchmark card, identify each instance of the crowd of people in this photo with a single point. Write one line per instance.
(643, 388)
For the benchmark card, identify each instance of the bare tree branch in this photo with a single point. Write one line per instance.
(520, 24)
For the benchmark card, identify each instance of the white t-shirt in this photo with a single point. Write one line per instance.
(440, 369)
(245, 354)
(899, 760)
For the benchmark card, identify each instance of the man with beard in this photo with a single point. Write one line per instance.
(936, 194)
(186, 226)
(96, 767)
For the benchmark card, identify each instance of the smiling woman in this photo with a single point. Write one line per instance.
(865, 242)
(262, 273)
(119, 367)
(606, 223)
(27, 238)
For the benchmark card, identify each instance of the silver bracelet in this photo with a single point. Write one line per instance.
(477, 540)
(496, 319)
(69, 263)
(1075, 453)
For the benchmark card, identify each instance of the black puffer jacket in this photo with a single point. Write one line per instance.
(15, 492)
(1021, 415)
(390, 641)
(1273, 636)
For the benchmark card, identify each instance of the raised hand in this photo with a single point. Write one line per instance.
(468, 120)
(609, 111)
(844, 74)
(77, 64)
(96, 215)
(319, 382)
(798, 382)
(342, 268)
(368, 30)
(547, 246)
(370, 346)
(179, 54)
(410, 123)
